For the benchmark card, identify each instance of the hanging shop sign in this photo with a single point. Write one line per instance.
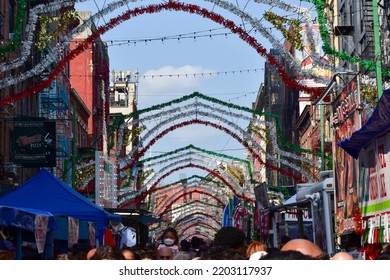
(34, 142)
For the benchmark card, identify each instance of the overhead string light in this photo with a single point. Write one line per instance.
(149, 9)
(293, 64)
(48, 60)
(58, 49)
(203, 74)
(180, 37)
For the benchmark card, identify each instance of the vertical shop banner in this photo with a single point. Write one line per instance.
(34, 142)
(346, 120)
(40, 232)
(73, 231)
(91, 234)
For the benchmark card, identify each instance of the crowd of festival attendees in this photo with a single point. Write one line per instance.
(229, 244)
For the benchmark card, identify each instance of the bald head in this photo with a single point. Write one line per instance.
(91, 253)
(165, 253)
(304, 246)
(342, 256)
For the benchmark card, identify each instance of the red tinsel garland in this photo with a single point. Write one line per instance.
(194, 224)
(197, 234)
(195, 191)
(155, 185)
(151, 9)
(219, 127)
(191, 215)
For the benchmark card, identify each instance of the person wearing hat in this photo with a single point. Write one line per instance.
(7, 250)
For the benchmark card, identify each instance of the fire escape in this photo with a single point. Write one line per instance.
(54, 105)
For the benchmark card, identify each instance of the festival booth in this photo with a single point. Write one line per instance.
(26, 219)
(370, 145)
(44, 193)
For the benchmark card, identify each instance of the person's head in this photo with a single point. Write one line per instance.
(386, 248)
(7, 250)
(170, 237)
(287, 255)
(255, 246)
(221, 253)
(128, 254)
(91, 253)
(384, 256)
(196, 242)
(185, 245)
(342, 256)
(229, 237)
(304, 246)
(108, 252)
(147, 256)
(165, 253)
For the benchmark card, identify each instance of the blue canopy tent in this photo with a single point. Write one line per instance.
(377, 124)
(24, 217)
(46, 193)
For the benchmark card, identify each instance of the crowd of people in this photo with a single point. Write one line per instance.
(229, 244)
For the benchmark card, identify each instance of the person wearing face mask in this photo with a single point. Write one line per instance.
(170, 239)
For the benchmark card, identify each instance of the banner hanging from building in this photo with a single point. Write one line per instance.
(346, 120)
(34, 142)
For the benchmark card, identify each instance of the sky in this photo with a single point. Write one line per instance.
(237, 69)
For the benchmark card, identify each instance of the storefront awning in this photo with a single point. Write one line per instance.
(377, 124)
